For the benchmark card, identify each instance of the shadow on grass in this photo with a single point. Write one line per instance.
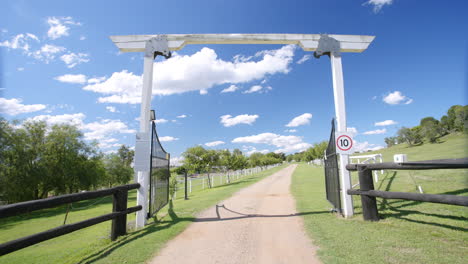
(175, 219)
(399, 213)
(149, 229)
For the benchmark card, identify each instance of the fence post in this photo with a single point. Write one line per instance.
(369, 204)
(119, 204)
(186, 195)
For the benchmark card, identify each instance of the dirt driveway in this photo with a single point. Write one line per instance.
(256, 225)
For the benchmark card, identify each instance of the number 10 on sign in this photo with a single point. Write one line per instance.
(344, 143)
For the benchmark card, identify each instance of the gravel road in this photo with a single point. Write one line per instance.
(256, 225)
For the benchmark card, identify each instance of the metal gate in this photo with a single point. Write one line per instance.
(159, 175)
(332, 178)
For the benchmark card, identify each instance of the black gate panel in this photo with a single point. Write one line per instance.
(332, 177)
(159, 175)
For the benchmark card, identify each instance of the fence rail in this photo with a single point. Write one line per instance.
(368, 194)
(118, 215)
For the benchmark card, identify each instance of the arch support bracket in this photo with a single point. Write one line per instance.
(158, 45)
(326, 46)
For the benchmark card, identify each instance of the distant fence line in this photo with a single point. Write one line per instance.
(198, 182)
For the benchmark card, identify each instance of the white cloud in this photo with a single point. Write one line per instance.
(70, 119)
(123, 87)
(249, 150)
(20, 41)
(228, 120)
(303, 119)
(96, 80)
(376, 132)
(105, 128)
(284, 144)
(230, 89)
(182, 116)
(203, 92)
(291, 130)
(385, 123)
(71, 78)
(161, 121)
(47, 52)
(352, 130)
(214, 143)
(59, 26)
(177, 161)
(304, 59)
(14, 106)
(82, 37)
(112, 109)
(378, 4)
(397, 98)
(109, 143)
(258, 89)
(365, 146)
(200, 71)
(20, 69)
(73, 59)
(167, 139)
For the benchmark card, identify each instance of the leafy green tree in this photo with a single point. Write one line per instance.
(255, 159)
(37, 161)
(117, 171)
(412, 136)
(194, 159)
(430, 129)
(390, 141)
(126, 155)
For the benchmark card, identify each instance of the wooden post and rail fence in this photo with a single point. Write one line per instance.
(118, 215)
(368, 194)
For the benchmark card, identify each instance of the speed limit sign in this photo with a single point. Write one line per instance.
(344, 143)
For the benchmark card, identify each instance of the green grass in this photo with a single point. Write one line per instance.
(410, 232)
(92, 245)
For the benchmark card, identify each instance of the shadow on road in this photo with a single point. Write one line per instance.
(175, 219)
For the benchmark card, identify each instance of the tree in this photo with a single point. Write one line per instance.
(37, 160)
(117, 171)
(126, 155)
(193, 159)
(430, 129)
(390, 141)
(412, 136)
(255, 159)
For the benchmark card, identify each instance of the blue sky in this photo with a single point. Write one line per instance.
(58, 64)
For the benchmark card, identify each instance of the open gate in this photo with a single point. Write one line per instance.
(159, 175)
(332, 178)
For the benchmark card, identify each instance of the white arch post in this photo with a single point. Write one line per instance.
(163, 44)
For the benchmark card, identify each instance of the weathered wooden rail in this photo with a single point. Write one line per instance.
(368, 194)
(118, 215)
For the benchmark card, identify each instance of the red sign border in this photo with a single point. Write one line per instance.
(350, 139)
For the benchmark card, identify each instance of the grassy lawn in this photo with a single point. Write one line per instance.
(409, 232)
(92, 244)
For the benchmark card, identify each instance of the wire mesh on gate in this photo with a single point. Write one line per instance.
(332, 179)
(159, 175)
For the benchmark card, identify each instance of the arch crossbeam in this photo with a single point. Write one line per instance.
(308, 42)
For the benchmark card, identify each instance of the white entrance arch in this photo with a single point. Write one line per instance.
(152, 45)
